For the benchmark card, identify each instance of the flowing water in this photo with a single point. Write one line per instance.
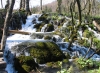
(29, 27)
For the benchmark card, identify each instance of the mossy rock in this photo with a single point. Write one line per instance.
(26, 68)
(43, 51)
(44, 18)
(27, 63)
(38, 26)
(47, 37)
(50, 27)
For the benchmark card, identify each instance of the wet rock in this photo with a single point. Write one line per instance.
(42, 51)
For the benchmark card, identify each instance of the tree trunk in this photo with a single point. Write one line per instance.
(7, 4)
(6, 24)
(79, 10)
(20, 4)
(59, 6)
(41, 4)
(27, 7)
(23, 4)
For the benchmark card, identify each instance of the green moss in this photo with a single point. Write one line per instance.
(43, 18)
(66, 39)
(88, 34)
(50, 27)
(47, 37)
(39, 26)
(27, 62)
(26, 68)
(43, 52)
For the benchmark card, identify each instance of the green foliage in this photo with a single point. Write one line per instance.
(85, 63)
(94, 71)
(86, 43)
(96, 43)
(88, 34)
(91, 26)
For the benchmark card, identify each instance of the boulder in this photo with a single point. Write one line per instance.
(43, 52)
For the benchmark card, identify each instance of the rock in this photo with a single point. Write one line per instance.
(42, 51)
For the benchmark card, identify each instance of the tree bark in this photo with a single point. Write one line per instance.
(6, 25)
(7, 4)
(27, 7)
(41, 4)
(79, 10)
(23, 4)
(20, 4)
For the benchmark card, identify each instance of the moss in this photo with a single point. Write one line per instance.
(39, 26)
(84, 42)
(43, 52)
(43, 18)
(47, 37)
(26, 68)
(50, 27)
(88, 34)
(27, 63)
(66, 39)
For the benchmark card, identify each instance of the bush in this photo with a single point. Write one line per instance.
(85, 63)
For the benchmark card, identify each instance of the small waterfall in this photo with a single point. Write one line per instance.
(78, 51)
(43, 29)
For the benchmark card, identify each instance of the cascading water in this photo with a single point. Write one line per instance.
(29, 27)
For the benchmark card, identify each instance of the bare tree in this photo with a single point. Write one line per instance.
(7, 4)
(59, 6)
(27, 6)
(22, 4)
(41, 4)
(6, 24)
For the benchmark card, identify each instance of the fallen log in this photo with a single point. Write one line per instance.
(18, 32)
(28, 33)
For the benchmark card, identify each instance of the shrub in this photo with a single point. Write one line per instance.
(85, 63)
